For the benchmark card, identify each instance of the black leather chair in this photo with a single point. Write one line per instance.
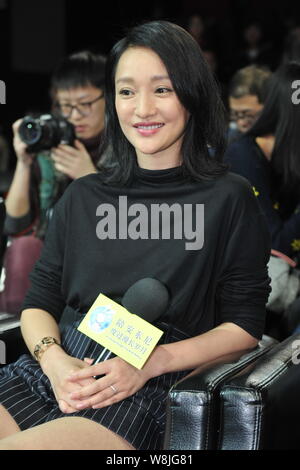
(260, 407)
(193, 407)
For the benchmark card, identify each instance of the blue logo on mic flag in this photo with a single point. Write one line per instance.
(125, 334)
(101, 318)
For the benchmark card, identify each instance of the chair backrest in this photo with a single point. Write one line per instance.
(260, 407)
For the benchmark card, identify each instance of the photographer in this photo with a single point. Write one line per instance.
(40, 178)
(77, 94)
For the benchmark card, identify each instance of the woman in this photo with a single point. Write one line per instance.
(163, 108)
(268, 156)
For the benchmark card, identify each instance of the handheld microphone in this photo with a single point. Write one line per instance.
(148, 298)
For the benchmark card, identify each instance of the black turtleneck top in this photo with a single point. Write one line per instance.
(206, 241)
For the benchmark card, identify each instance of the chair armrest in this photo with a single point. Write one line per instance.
(193, 402)
(260, 406)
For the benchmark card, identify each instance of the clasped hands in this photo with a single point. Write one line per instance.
(79, 389)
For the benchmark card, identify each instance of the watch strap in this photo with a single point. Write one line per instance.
(43, 345)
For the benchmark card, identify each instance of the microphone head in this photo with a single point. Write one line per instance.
(148, 298)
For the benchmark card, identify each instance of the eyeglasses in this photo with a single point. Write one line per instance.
(243, 115)
(84, 109)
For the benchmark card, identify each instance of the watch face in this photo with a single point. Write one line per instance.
(48, 341)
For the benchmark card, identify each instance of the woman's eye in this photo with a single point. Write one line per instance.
(162, 90)
(125, 92)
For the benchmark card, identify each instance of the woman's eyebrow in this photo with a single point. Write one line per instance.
(152, 79)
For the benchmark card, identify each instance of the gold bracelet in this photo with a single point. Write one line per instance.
(43, 345)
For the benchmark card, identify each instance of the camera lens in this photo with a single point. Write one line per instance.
(45, 131)
(30, 132)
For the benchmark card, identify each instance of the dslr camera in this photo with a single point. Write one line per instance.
(46, 131)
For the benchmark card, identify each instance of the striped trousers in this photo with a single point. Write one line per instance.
(26, 393)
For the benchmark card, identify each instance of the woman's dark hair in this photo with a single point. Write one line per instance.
(196, 89)
(80, 69)
(281, 117)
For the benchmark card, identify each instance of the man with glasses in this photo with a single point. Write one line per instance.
(247, 93)
(77, 93)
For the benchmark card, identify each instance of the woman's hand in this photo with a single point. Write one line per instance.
(120, 380)
(73, 161)
(58, 370)
(24, 157)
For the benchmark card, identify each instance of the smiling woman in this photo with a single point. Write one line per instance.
(163, 110)
(179, 77)
(150, 114)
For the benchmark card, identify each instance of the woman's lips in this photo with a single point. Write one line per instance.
(148, 128)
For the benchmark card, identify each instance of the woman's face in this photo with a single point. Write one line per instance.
(149, 111)
(88, 114)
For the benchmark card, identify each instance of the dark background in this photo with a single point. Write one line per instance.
(35, 34)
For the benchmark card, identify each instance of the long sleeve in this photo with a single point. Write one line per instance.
(22, 225)
(244, 281)
(46, 278)
(16, 225)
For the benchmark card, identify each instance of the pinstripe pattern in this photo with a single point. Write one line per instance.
(27, 395)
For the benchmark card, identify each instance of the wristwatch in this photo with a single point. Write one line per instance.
(42, 345)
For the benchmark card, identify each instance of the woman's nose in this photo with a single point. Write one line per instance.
(145, 105)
